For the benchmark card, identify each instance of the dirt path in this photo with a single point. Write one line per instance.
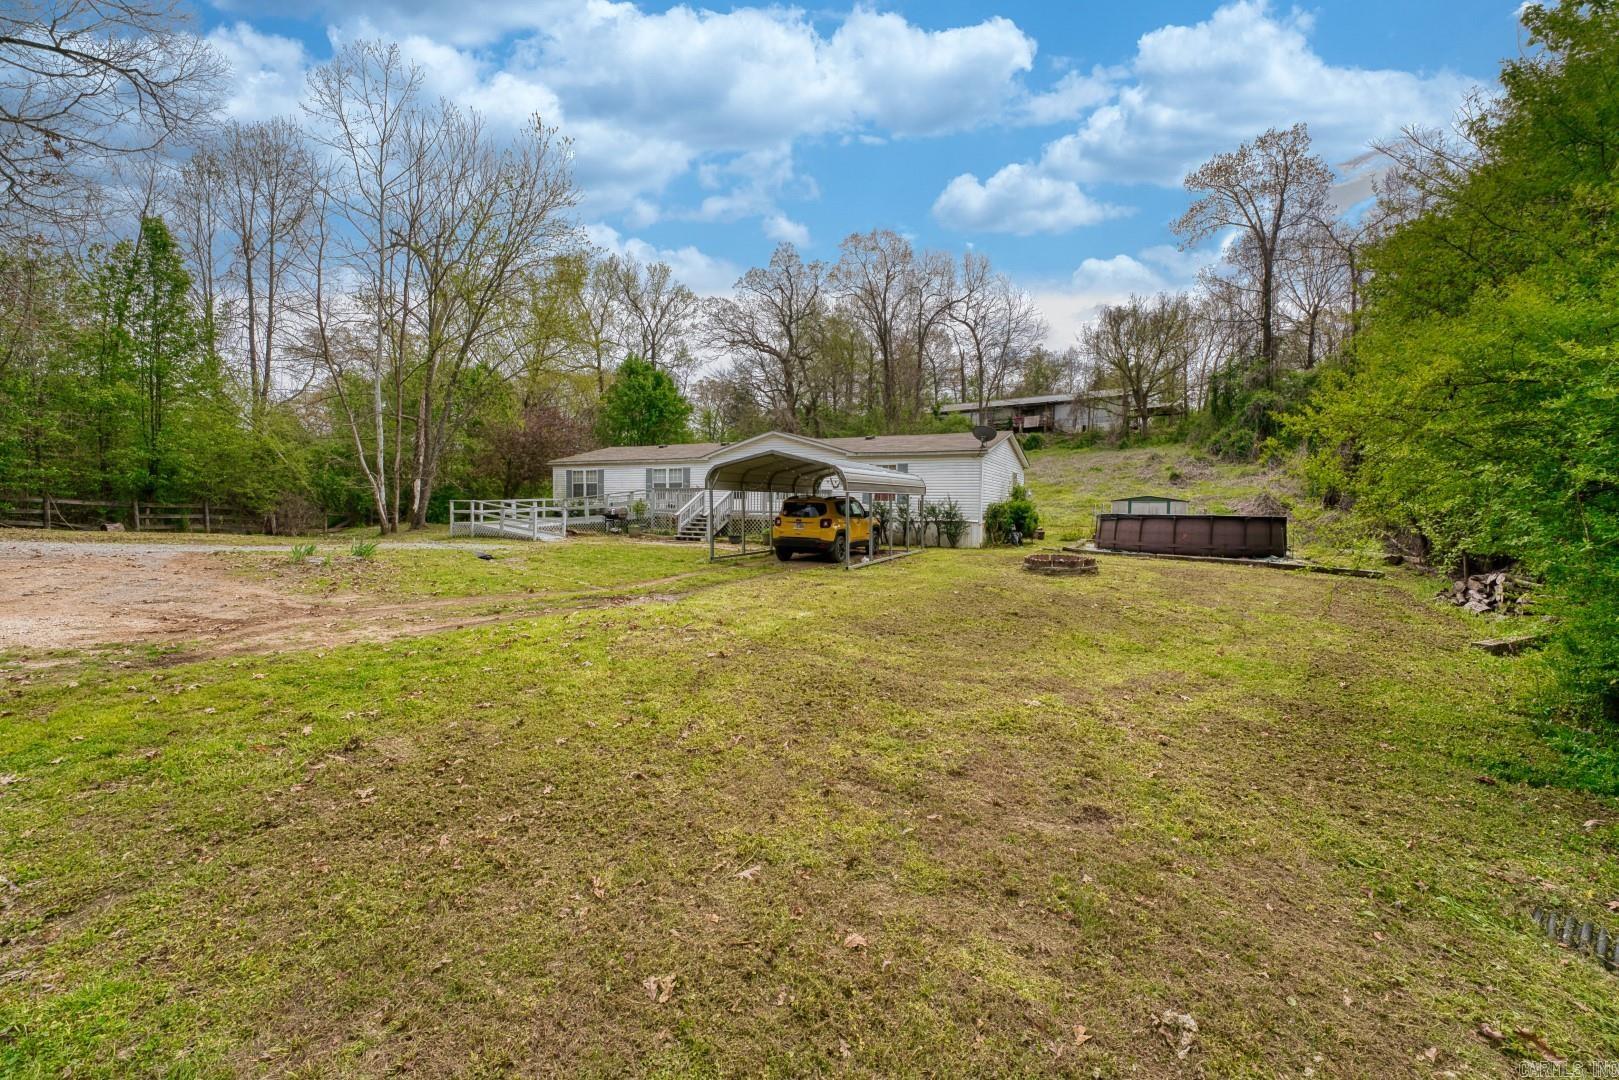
(68, 596)
(76, 596)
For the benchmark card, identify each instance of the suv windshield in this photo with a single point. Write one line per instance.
(802, 508)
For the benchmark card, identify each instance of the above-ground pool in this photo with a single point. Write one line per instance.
(1229, 536)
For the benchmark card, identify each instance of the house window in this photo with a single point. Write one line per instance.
(888, 496)
(668, 479)
(584, 483)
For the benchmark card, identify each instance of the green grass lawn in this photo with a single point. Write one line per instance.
(922, 819)
(583, 567)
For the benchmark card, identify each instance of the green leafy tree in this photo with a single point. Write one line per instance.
(1481, 406)
(642, 407)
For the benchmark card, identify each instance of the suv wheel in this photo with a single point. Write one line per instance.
(840, 548)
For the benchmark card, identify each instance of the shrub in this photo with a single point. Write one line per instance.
(928, 516)
(1034, 441)
(300, 552)
(951, 523)
(905, 517)
(1016, 511)
(363, 549)
(883, 513)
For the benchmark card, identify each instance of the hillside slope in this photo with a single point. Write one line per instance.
(1071, 486)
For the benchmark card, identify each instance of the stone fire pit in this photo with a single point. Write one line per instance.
(1058, 564)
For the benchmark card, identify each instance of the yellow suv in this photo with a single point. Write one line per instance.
(820, 525)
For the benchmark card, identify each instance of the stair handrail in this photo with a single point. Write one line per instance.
(690, 509)
(722, 514)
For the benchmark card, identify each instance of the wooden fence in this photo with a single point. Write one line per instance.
(36, 512)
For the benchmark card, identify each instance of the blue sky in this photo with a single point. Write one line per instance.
(1050, 136)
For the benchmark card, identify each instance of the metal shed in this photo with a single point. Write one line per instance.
(1151, 504)
(776, 471)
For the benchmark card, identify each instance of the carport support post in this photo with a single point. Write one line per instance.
(744, 494)
(710, 520)
(849, 527)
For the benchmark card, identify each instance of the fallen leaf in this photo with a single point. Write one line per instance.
(854, 941)
(1431, 1054)
(598, 888)
(659, 988)
(751, 873)
(1081, 1036)
(1179, 1031)
(1545, 1049)
(364, 793)
(1591, 824)
(1490, 1034)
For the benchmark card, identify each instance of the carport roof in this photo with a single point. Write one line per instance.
(776, 470)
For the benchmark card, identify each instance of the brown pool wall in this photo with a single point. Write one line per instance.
(1229, 536)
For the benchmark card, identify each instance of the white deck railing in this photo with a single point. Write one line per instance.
(516, 519)
(663, 510)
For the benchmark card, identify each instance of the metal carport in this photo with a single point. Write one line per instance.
(778, 472)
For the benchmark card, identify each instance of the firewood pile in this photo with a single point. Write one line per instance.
(1499, 592)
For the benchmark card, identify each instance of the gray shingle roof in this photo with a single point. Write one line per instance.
(959, 442)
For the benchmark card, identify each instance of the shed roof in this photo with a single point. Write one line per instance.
(777, 470)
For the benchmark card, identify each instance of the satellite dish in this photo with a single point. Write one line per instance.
(983, 433)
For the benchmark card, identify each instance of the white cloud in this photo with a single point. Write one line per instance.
(704, 274)
(1074, 93)
(1017, 199)
(781, 228)
(1191, 91)
(648, 95)
(1072, 304)
(268, 72)
(1196, 89)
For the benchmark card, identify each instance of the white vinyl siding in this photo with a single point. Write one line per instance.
(1001, 471)
(619, 479)
(972, 478)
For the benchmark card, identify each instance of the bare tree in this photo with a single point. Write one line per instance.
(269, 179)
(995, 326)
(597, 313)
(1316, 288)
(490, 217)
(931, 296)
(196, 212)
(1142, 346)
(361, 101)
(876, 278)
(659, 313)
(770, 328)
(84, 83)
(1269, 189)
